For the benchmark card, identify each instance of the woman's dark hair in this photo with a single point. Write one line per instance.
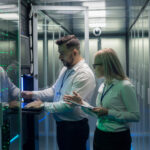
(71, 41)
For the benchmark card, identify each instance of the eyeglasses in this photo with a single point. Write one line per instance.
(94, 65)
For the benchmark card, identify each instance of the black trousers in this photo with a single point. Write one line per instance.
(111, 140)
(72, 135)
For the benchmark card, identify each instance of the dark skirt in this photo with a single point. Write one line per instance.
(112, 140)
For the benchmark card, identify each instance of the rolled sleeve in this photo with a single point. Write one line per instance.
(44, 95)
(57, 107)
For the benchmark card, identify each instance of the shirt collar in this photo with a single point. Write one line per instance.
(114, 81)
(78, 65)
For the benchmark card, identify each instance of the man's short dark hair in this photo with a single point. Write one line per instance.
(71, 41)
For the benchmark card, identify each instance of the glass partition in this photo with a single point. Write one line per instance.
(139, 60)
(48, 33)
(49, 67)
(49, 29)
(10, 116)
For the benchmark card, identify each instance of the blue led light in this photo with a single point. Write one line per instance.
(44, 117)
(14, 138)
(22, 87)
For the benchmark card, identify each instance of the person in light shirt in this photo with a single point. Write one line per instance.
(9, 92)
(116, 103)
(72, 122)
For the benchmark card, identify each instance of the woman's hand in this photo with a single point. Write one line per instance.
(100, 111)
(75, 98)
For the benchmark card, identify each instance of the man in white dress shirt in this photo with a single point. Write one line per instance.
(9, 93)
(72, 122)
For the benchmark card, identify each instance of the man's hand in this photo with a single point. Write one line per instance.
(14, 104)
(36, 104)
(27, 94)
(100, 111)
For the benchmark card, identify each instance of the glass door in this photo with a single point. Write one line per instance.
(10, 113)
(48, 27)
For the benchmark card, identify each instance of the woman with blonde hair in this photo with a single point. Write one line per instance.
(116, 103)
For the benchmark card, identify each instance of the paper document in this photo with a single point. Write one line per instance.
(86, 105)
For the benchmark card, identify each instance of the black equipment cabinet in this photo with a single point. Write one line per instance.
(30, 125)
(30, 129)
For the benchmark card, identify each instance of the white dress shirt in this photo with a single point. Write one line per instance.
(81, 79)
(8, 91)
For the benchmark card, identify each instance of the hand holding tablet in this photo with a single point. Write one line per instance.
(77, 100)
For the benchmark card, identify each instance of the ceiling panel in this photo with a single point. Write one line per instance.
(110, 15)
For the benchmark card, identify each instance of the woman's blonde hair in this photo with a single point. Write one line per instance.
(110, 61)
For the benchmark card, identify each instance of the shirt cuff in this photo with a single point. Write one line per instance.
(35, 94)
(42, 105)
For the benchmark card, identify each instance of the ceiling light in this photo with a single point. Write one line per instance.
(67, 12)
(7, 6)
(99, 20)
(9, 16)
(96, 25)
(101, 13)
(49, 25)
(95, 5)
